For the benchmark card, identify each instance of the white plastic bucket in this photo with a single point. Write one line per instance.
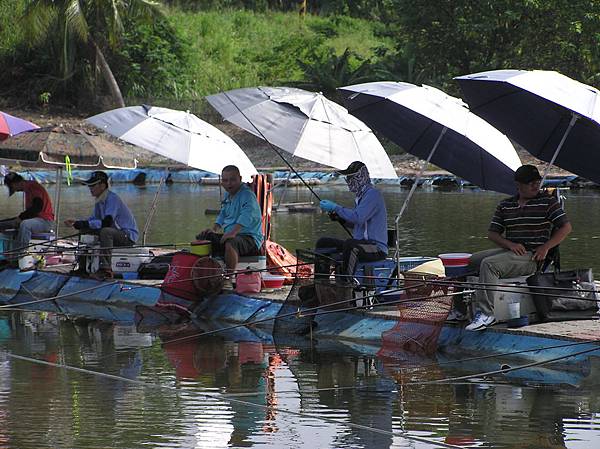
(26, 262)
(514, 310)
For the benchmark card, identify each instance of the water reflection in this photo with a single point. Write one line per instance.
(167, 405)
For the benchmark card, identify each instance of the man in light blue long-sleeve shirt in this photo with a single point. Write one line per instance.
(369, 220)
(240, 221)
(112, 221)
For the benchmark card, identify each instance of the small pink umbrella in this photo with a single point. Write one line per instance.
(11, 125)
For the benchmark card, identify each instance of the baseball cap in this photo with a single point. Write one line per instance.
(10, 179)
(96, 177)
(352, 169)
(527, 173)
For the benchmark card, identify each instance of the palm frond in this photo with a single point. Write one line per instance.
(75, 19)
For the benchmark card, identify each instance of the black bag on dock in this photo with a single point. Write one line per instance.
(157, 268)
(564, 295)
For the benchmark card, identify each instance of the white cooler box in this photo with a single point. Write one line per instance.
(517, 291)
(128, 260)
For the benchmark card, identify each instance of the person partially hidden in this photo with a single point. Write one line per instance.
(38, 216)
(237, 231)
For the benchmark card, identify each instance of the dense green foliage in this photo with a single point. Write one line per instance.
(201, 46)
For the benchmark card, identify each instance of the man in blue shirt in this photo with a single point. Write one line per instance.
(238, 228)
(112, 221)
(369, 220)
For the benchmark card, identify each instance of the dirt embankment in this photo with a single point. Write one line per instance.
(259, 153)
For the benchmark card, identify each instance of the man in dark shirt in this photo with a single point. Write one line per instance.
(38, 216)
(525, 227)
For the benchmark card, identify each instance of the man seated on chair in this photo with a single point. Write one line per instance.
(525, 227)
(111, 220)
(38, 216)
(368, 218)
(237, 230)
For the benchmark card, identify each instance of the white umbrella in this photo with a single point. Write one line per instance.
(554, 117)
(305, 124)
(177, 135)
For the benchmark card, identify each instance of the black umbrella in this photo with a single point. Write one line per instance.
(554, 117)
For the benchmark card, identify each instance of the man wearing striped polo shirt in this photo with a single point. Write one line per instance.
(525, 227)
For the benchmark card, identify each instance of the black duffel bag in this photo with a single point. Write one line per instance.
(157, 268)
(564, 295)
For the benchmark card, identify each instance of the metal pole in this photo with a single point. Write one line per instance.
(57, 200)
(151, 211)
(574, 118)
(410, 194)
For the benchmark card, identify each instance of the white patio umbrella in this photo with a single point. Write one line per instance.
(439, 128)
(554, 117)
(305, 124)
(177, 135)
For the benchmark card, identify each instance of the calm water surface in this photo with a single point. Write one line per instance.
(174, 395)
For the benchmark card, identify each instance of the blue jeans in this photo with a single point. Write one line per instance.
(31, 226)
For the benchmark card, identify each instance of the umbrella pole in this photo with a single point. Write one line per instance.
(151, 211)
(410, 194)
(574, 118)
(57, 200)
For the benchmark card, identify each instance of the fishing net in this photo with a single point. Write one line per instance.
(302, 294)
(420, 321)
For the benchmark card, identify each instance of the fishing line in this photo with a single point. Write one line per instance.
(219, 396)
(444, 380)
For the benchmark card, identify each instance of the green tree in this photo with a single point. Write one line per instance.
(328, 71)
(86, 29)
(456, 37)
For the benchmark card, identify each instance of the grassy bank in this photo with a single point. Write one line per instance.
(230, 49)
(215, 50)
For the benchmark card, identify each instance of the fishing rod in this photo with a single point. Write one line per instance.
(44, 243)
(303, 313)
(279, 154)
(64, 295)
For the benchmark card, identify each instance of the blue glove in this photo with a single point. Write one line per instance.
(328, 206)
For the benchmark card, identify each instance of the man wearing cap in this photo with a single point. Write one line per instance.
(112, 221)
(38, 216)
(238, 228)
(368, 218)
(525, 227)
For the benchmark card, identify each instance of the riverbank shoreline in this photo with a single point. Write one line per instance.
(261, 155)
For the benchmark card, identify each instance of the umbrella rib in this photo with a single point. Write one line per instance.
(303, 128)
(427, 128)
(473, 109)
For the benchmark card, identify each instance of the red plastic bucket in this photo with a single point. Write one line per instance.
(455, 259)
(177, 282)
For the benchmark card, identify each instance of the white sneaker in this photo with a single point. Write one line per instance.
(480, 322)
(456, 315)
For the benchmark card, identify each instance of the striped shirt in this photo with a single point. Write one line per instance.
(530, 224)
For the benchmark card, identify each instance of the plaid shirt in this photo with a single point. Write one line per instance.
(530, 224)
